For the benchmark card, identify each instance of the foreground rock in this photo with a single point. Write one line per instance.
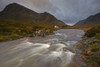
(41, 33)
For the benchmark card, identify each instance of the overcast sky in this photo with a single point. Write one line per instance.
(69, 11)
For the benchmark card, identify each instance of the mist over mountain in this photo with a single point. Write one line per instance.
(18, 13)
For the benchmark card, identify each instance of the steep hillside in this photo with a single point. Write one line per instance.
(18, 13)
(93, 20)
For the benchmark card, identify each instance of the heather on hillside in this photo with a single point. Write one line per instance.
(90, 47)
(13, 30)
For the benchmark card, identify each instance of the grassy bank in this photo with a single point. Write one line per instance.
(11, 30)
(90, 47)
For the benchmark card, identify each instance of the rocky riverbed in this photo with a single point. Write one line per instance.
(57, 50)
(41, 33)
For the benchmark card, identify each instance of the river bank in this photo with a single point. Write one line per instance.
(90, 47)
(13, 30)
(40, 33)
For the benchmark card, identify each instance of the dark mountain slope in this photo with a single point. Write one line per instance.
(93, 20)
(18, 13)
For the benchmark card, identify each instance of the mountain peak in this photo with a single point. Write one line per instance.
(15, 8)
(17, 12)
(14, 4)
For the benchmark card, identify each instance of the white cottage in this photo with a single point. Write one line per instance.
(56, 26)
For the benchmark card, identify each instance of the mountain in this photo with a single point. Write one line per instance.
(93, 20)
(17, 13)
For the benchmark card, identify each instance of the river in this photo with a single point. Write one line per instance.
(55, 50)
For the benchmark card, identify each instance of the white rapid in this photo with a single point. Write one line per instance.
(51, 51)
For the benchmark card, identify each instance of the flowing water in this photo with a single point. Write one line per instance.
(51, 51)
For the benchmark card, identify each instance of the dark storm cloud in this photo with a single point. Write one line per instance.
(69, 11)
